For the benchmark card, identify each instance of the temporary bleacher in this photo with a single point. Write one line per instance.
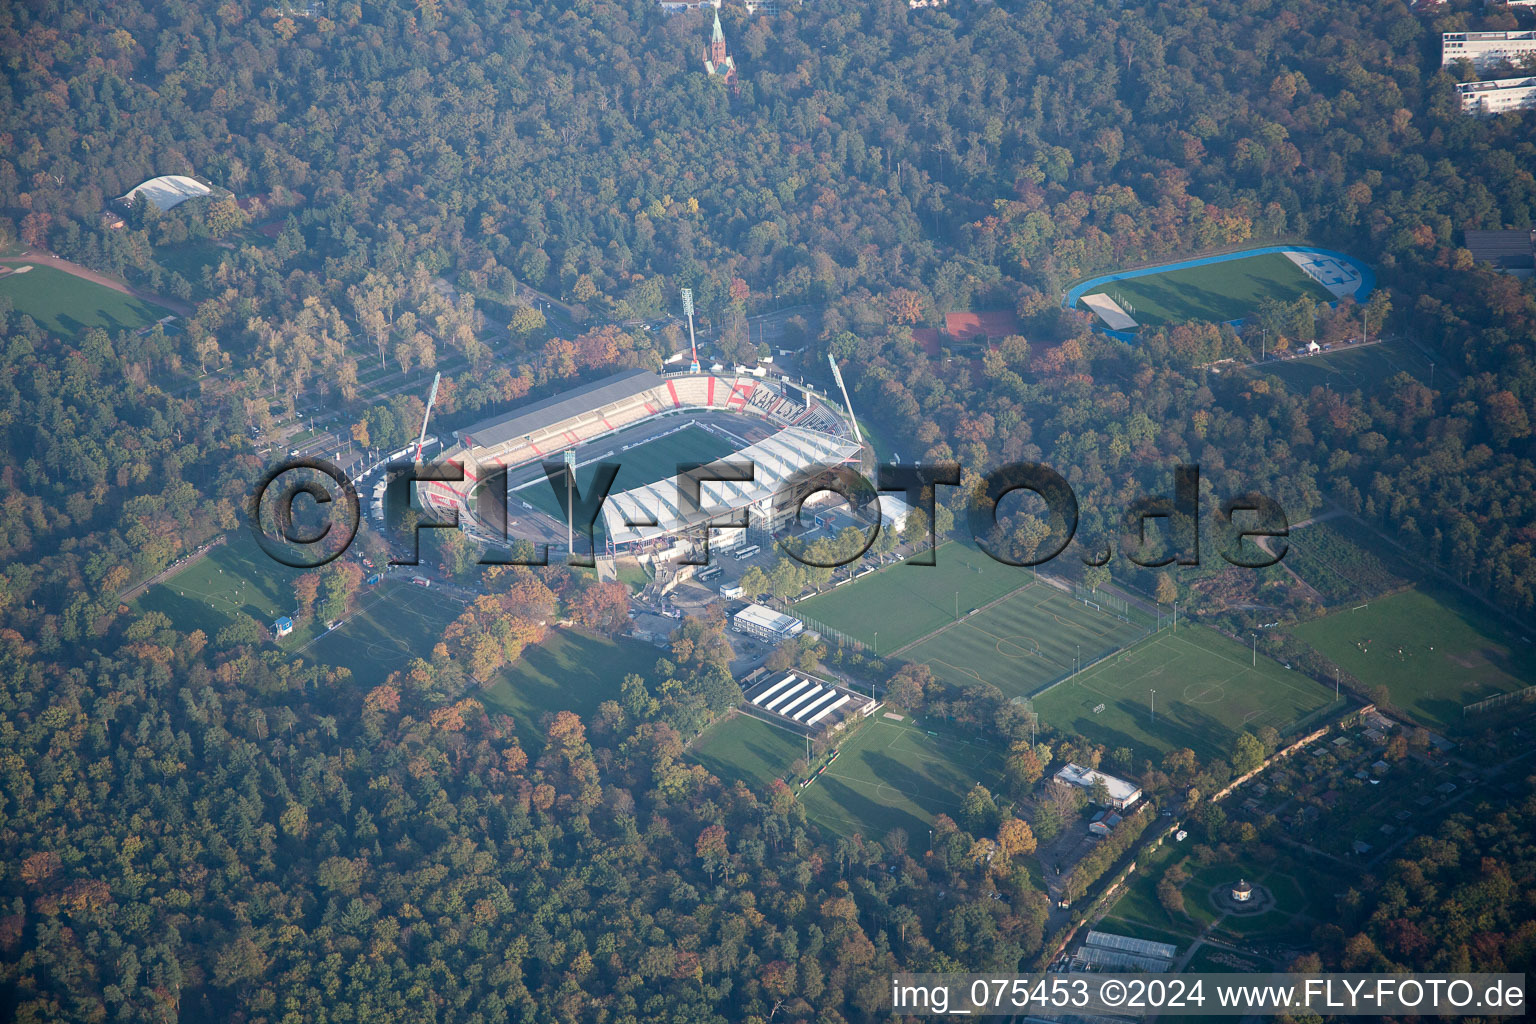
(824, 712)
(788, 709)
(775, 688)
(781, 698)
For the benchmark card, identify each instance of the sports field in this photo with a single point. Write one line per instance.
(392, 624)
(905, 601)
(644, 464)
(235, 578)
(1208, 688)
(1215, 292)
(1353, 367)
(1023, 642)
(66, 305)
(887, 775)
(1431, 650)
(569, 671)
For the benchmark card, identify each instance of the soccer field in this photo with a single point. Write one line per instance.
(570, 671)
(67, 305)
(1432, 651)
(645, 463)
(235, 578)
(1024, 642)
(391, 624)
(888, 775)
(903, 602)
(1208, 689)
(1217, 292)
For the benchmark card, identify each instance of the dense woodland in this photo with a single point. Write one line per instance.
(199, 826)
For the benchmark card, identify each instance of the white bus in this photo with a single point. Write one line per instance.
(747, 552)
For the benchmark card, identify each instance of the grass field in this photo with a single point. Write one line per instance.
(1024, 642)
(1354, 368)
(569, 671)
(235, 578)
(391, 624)
(641, 465)
(1430, 649)
(887, 775)
(1216, 292)
(1208, 688)
(903, 602)
(67, 305)
(1301, 888)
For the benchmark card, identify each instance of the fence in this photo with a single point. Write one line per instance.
(1498, 701)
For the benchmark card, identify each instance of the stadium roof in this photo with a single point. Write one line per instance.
(530, 419)
(776, 460)
(168, 190)
(1507, 250)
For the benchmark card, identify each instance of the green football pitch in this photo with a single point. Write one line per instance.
(570, 671)
(1208, 689)
(392, 623)
(1431, 650)
(644, 464)
(67, 305)
(235, 578)
(1215, 292)
(896, 605)
(1023, 642)
(887, 775)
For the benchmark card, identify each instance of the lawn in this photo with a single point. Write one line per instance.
(1217, 292)
(905, 601)
(235, 578)
(887, 775)
(66, 305)
(1351, 368)
(392, 624)
(746, 749)
(1433, 651)
(1024, 642)
(1208, 689)
(644, 464)
(569, 671)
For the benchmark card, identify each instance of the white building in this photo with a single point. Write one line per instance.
(1486, 49)
(1497, 96)
(766, 624)
(1122, 794)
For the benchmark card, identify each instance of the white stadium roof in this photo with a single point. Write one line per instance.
(776, 460)
(168, 190)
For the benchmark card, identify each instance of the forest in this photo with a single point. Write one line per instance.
(203, 826)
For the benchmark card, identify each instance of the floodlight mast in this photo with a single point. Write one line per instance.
(837, 375)
(431, 400)
(693, 346)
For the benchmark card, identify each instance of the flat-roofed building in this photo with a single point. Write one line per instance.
(1120, 793)
(766, 624)
(1499, 96)
(1486, 49)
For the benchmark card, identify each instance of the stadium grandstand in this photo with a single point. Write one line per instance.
(805, 434)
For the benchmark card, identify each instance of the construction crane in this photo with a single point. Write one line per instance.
(837, 375)
(693, 347)
(431, 400)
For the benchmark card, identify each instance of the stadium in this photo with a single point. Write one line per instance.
(648, 423)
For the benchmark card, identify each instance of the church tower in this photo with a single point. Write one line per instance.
(717, 61)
